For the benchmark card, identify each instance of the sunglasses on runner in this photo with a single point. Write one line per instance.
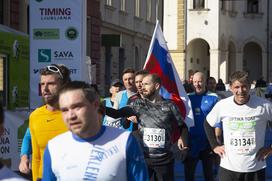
(55, 69)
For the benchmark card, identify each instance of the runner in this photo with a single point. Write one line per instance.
(155, 117)
(90, 151)
(46, 121)
(244, 118)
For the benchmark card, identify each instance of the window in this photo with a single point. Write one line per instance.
(148, 10)
(198, 4)
(232, 6)
(109, 2)
(123, 5)
(1, 11)
(252, 6)
(223, 4)
(3, 93)
(137, 8)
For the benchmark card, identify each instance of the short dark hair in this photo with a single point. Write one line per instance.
(89, 92)
(128, 70)
(61, 70)
(240, 76)
(141, 72)
(155, 78)
(210, 78)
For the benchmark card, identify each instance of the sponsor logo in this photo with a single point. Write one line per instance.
(55, 13)
(73, 71)
(63, 55)
(49, 120)
(35, 71)
(71, 33)
(44, 55)
(46, 34)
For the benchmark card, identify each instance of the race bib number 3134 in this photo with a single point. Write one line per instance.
(154, 137)
(243, 143)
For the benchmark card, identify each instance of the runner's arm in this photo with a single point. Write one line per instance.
(123, 112)
(136, 166)
(26, 151)
(210, 132)
(184, 134)
(26, 148)
(48, 174)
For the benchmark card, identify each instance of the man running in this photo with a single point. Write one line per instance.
(90, 151)
(244, 118)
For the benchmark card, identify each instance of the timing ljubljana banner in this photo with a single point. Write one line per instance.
(57, 36)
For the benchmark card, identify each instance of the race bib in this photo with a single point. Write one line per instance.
(154, 138)
(243, 138)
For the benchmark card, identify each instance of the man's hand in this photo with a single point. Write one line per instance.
(180, 150)
(263, 153)
(24, 165)
(219, 150)
(132, 119)
(180, 144)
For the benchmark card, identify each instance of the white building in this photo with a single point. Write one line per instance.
(227, 35)
(224, 36)
(127, 28)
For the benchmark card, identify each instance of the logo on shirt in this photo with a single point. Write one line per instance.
(49, 120)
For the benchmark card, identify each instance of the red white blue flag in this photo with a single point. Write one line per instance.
(159, 61)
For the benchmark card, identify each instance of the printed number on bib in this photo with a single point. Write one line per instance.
(154, 137)
(242, 142)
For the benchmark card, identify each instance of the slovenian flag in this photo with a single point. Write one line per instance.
(159, 61)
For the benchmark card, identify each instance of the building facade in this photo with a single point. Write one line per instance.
(14, 14)
(224, 36)
(126, 31)
(174, 32)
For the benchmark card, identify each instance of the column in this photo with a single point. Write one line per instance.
(264, 65)
(239, 61)
(223, 66)
(214, 63)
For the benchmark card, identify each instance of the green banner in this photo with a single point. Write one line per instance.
(14, 52)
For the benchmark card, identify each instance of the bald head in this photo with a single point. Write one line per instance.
(199, 82)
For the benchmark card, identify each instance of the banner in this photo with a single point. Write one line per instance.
(160, 62)
(16, 123)
(57, 36)
(14, 68)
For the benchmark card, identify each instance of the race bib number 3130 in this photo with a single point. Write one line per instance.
(154, 137)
